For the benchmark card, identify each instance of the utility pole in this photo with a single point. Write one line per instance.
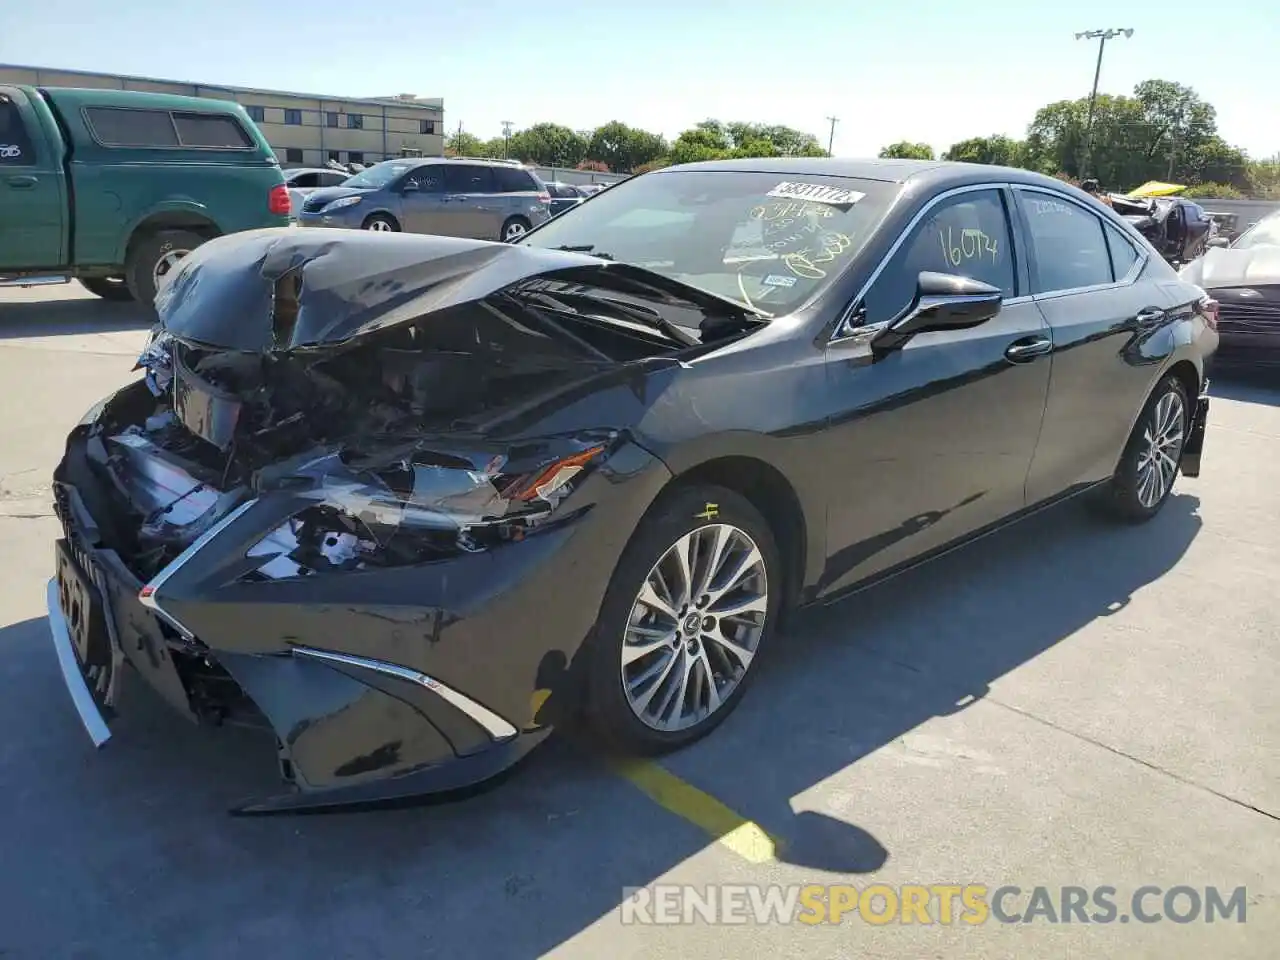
(832, 138)
(1102, 36)
(506, 139)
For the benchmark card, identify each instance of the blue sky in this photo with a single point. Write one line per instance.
(933, 71)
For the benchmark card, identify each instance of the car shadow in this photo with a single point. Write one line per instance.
(519, 869)
(68, 316)
(1246, 384)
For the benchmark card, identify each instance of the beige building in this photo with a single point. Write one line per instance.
(303, 129)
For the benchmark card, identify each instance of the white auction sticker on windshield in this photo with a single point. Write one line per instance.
(815, 193)
(776, 280)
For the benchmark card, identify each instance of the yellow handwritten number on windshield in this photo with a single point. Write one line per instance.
(808, 264)
(973, 245)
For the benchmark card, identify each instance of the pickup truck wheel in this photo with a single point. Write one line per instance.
(108, 288)
(153, 257)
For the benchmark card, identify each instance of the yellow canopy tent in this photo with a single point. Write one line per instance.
(1154, 188)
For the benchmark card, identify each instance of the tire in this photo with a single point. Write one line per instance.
(381, 223)
(623, 721)
(108, 288)
(513, 228)
(1128, 497)
(152, 257)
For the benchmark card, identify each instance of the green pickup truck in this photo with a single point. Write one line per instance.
(113, 187)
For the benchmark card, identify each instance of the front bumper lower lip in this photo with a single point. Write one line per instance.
(90, 716)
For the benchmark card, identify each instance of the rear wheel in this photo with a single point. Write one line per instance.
(108, 288)
(687, 614)
(381, 223)
(514, 228)
(1149, 465)
(153, 258)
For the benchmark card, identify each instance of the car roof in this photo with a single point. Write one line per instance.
(940, 173)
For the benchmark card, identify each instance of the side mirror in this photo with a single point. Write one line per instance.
(410, 186)
(943, 302)
(1219, 242)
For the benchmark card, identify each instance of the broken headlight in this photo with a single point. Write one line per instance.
(420, 505)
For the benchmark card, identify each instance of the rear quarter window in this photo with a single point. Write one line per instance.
(211, 130)
(511, 180)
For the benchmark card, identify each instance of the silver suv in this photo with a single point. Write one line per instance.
(482, 199)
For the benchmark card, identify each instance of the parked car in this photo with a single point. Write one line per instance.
(588, 189)
(302, 181)
(407, 502)
(113, 187)
(564, 196)
(479, 199)
(1244, 278)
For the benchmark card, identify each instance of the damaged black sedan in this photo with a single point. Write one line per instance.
(406, 502)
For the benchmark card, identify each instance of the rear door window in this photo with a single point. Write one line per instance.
(463, 178)
(1123, 253)
(1070, 249)
(15, 142)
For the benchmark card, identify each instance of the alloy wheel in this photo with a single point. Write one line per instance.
(1162, 441)
(380, 226)
(514, 232)
(694, 627)
(168, 260)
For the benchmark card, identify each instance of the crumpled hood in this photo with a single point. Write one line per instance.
(355, 282)
(1225, 267)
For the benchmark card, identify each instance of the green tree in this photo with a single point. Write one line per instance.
(463, 144)
(1214, 191)
(623, 148)
(1264, 178)
(996, 149)
(702, 142)
(905, 150)
(549, 145)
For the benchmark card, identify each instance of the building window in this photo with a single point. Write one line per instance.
(331, 118)
(257, 114)
(292, 155)
(293, 118)
(355, 121)
(427, 126)
(355, 156)
(335, 156)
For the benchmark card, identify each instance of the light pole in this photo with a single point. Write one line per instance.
(832, 138)
(506, 139)
(1102, 36)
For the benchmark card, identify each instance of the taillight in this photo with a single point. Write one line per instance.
(278, 200)
(544, 198)
(1208, 308)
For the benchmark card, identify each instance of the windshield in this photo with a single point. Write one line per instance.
(766, 240)
(380, 174)
(1264, 233)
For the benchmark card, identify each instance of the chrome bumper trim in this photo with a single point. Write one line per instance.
(497, 728)
(147, 596)
(81, 698)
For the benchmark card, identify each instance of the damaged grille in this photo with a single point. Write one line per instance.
(1246, 317)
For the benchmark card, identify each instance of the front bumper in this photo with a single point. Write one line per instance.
(376, 684)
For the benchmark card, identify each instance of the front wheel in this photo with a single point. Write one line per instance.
(686, 617)
(108, 288)
(514, 228)
(381, 223)
(1144, 477)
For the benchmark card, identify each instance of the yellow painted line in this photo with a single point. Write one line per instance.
(744, 837)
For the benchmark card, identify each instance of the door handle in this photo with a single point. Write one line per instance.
(1150, 317)
(1020, 351)
(22, 182)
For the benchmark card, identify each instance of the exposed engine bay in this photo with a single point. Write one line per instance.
(388, 429)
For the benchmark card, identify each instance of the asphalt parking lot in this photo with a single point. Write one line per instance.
(1062, 704)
